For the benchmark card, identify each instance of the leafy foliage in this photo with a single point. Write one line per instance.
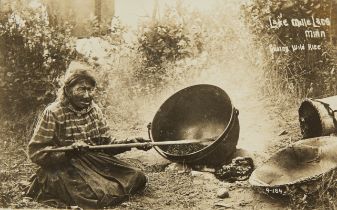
(162, 41)
(35, 54)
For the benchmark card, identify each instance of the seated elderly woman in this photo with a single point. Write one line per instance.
(90, 179)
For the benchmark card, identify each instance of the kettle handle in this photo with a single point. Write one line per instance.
(236, 111)
(149, 126)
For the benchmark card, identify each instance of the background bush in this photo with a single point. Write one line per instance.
(35, 54)
(163, 41)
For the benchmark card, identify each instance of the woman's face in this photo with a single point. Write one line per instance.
(81, 94)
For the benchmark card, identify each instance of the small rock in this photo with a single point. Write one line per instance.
(182, 171)
(225, 185)
(196, 173)
(27, 199)
(244, 203)
(223, 204)
(125, 204)
(176, 167)
(203, 175)
(75, 207)
(222, 193)
(24, 183)
(284, 132)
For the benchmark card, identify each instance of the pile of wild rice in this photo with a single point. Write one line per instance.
(183, 149)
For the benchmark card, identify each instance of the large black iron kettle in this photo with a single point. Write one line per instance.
(198, 112)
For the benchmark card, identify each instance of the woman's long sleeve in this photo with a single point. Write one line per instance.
(44, 137)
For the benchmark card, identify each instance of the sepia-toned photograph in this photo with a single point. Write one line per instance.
(168, 104)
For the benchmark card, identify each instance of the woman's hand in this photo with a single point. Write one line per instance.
(146, 146)
(80, 147)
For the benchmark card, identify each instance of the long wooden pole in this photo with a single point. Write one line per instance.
(110, 146)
